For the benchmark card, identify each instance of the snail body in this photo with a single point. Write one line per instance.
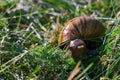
(82, 31)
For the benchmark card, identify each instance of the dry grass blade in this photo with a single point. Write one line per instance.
(75, 71)
(84, 71)
(12, 61)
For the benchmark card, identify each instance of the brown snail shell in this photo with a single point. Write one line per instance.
(85, 28)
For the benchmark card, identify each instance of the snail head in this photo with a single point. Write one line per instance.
(77, 47)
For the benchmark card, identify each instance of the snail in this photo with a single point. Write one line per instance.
(81, 35)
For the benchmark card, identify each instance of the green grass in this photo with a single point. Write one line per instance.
(25, 51)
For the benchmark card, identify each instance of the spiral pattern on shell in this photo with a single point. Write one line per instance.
(81, 28)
